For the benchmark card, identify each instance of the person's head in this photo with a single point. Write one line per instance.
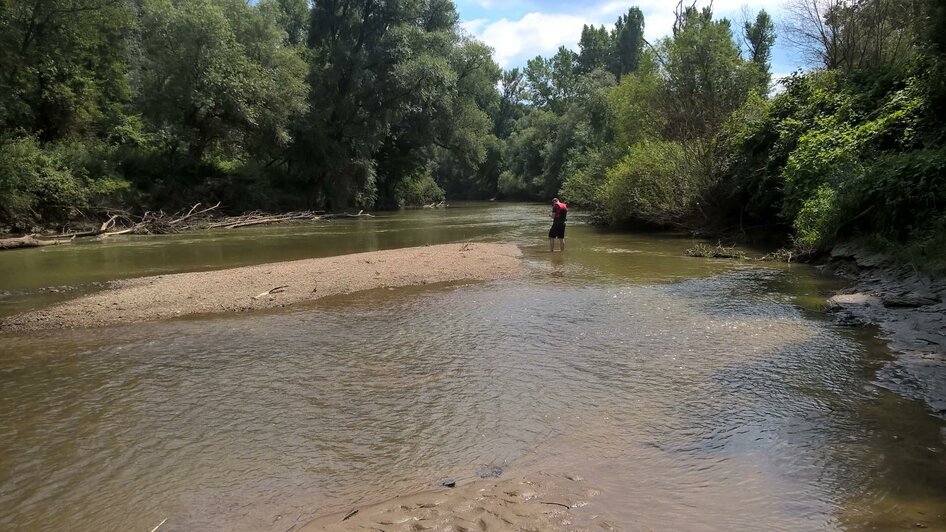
(554, 201)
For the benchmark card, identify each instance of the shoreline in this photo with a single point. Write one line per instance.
(909, 310)
(272, 285)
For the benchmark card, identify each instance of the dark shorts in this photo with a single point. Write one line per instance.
(557, 230)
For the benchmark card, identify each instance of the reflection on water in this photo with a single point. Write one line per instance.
(697, 394)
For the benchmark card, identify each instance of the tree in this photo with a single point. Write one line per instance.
(552, 81)
(596, 49)
(852, 34)
(389, 81)
(759, 37)
(292, 16)
(63, 66)
(705, 75)
(215, 76)
(512, 95)
(628, 42)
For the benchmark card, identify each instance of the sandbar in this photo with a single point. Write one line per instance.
(273, 285)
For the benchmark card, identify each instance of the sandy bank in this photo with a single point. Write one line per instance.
(540, 502)
(909, 309)
(247, 288)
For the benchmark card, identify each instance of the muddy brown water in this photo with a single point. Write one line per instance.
(694, 394)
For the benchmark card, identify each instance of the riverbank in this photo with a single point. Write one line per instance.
(272, 285)
(909, 308)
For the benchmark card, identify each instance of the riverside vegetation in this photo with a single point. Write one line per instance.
(288, 105)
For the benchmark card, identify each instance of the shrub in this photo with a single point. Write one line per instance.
(36, 186)
(817, 220)
(650, 184)
(418, 189)
(511, 185)
(585, 174)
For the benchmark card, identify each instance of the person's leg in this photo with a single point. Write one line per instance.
(562, 240)
(551, 245)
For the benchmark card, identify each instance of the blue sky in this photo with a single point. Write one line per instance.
(521, 29)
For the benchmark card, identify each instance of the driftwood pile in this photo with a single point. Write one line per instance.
(258, 218)
(160, 223)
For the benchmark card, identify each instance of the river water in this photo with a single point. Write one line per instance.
(696, 394)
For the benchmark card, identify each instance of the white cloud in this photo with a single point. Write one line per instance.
(533, 34)
(474, 26)
(538, 33)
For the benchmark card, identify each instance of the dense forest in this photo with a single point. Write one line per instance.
(287, 104)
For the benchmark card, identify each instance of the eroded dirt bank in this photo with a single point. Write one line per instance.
(272, 285)
(910, 310)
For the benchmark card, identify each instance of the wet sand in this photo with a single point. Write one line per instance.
(537, 502)
(272, 285)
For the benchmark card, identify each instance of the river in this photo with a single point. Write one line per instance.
(695, 394)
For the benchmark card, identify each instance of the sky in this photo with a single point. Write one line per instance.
(518, 30)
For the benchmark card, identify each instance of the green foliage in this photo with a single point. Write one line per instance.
(817, 219)
(419, 189)
(37, 187)
(652, 184)
(637, 106)
(63, 67)
(704, 76)
(595, 45)
(547, 146)
(584, 176)
(759, 37)
(553, 81)
(628, 42)
(286, 104)
(214, 76)
(388, 82)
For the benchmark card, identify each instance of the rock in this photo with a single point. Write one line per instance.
(843, 251)
(449, 483)
(844, 301)
(910, 300)
(491, 471)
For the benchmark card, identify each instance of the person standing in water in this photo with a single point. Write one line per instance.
(558, 215)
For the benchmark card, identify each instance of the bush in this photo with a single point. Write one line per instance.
(905, 192)
(37, 186)
(511, 185)
(650, 184)
(585, 174)
(418, 189)
(817, 220)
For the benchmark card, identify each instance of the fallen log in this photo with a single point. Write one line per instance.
(270, 220)
(106, 225)
(360, 214)
(28, 241)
